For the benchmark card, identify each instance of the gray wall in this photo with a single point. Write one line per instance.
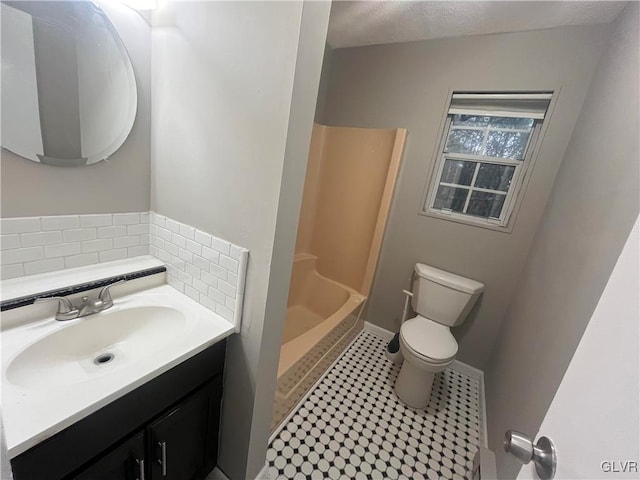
(120, 184)
(234, 90)
(590, 213)
(407, 85)
(324, 84)
(313, 30)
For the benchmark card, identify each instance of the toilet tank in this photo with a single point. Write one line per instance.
(443, 297)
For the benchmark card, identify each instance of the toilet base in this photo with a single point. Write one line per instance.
(413, 385)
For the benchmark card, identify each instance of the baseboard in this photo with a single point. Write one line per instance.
(483, 414)
(264, 473)
(217, 474)
(478, 375)
(468, 370)
(487, 464)
(376, 330)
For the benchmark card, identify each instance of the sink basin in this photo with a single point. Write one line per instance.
(56, 373)
(95, 346)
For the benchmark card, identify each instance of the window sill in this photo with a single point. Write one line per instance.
(467, 220)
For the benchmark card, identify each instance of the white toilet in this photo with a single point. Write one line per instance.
(442, 300)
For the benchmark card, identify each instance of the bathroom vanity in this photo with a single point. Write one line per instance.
(166, 428)
(132, 392)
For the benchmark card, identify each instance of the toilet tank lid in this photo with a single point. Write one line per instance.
(448, 279)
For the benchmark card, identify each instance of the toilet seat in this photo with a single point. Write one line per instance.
(429, 341)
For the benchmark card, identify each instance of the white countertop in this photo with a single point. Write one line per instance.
(33, 414)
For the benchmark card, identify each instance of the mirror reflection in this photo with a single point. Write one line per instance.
(68, 88)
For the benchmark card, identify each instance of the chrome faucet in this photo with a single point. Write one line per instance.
(68, 311)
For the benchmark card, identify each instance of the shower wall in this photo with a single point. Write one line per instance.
(347, 195)
(351, 174)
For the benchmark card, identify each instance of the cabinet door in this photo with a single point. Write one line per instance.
(125, 462)
(178, 440)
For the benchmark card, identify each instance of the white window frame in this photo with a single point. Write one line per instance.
(513, 194)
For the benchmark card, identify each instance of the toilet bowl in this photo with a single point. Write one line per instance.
(428, 348)
(441, 300)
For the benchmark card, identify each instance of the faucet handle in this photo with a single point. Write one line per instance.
(105, 295)
(66, 310)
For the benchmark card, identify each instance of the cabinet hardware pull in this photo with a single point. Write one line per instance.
(140, 464)
(163, 460)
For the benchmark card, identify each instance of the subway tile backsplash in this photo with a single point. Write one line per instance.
(44, 244)
(206, 268)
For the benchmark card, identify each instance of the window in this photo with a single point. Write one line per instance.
(484, 155)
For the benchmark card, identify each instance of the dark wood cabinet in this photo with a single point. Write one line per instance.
(177, 441)
(125, 462)
(176, 446)
(166, 429)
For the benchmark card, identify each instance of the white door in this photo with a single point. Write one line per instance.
(594, 417)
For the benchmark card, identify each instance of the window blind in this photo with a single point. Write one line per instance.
(528, 105)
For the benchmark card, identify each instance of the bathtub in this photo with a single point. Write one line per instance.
(322, 319)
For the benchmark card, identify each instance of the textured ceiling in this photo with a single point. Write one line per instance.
(358, 23)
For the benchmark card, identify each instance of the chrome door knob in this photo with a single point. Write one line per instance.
(543, 453)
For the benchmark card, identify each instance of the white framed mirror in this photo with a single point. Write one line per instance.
(69, 94)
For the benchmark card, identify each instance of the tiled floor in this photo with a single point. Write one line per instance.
(352, 425)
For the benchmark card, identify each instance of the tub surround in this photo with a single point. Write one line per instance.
(322, 318)
(325, 303)
(32, 414)
(351, 174)
(351, 177)
(210, 270)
